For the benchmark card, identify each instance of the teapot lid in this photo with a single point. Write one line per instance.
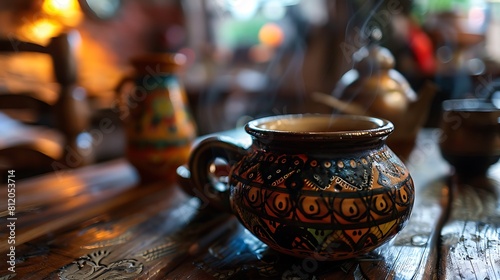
(373, 57)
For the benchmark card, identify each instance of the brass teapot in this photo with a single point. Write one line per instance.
(374, 88)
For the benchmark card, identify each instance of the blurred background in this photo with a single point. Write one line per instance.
(61, 60)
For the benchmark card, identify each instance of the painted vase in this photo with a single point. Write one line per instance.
(159, 128)
(317, 186)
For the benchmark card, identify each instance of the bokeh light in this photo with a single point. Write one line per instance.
(271, 35)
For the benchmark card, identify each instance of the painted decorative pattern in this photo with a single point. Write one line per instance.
(91, 266)
(336, 207)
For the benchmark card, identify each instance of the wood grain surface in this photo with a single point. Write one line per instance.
(471, 237)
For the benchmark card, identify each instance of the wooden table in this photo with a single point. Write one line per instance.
(100, 222)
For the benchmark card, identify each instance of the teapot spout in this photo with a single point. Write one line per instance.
(337, 104)
(419, 110)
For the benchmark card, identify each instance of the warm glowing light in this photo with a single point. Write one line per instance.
(271, 35)
(42, 30)
(55, 17)
(66, 11)
(60, 7)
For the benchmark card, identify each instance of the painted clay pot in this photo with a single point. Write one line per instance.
(159, 128)
(317, 186)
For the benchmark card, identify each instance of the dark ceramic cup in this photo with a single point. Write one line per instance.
(470, 138)
(317, 186)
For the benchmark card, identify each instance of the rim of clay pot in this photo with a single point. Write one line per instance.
(469, 105)
(319, 127)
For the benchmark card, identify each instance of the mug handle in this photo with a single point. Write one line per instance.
(120, 98)
(195, 178)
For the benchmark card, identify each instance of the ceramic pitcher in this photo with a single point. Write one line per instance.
(154, 108)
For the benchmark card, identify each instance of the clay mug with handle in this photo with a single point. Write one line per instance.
(317, 186)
